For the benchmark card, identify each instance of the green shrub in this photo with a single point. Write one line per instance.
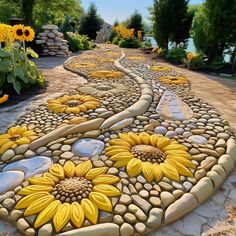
(116, 40)
(176, 55)
(17, 72)
(78, 42)
(129, 43)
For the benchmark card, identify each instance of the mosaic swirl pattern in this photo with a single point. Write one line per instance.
(131, 150)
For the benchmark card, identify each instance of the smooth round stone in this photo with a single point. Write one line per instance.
(7, 155)
(160, 130)
(31, 167)
(144, 194)
(197, 139)
(9, 180)
(88, 147)
(140, 227)
(187, 186)
(187, 134)
(223, 136)
(171, 134)
(179, 130)
(130, 218)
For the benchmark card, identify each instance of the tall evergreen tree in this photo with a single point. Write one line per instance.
(90, 23)
(163, 21)
(136, 22)
(172, 21)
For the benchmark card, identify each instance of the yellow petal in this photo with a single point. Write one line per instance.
(123, 156)
(83, 168)
(154, 139)
(106, 179)
(135, 137)
(6, 146)
(101, 201)
(106, 189)
(180, 168)
(41, 181)
(181, 160)
(57, 170)
(169, 171)
(121, 163)
(175, 147)
(134, 167)
(38, 205)
(111, 148)
(90, 210)
(162, 142)
(51, 176)
(147, 169)
(126, 138)
(157, 172)
(145, 138)
(28, 133)
(83, 108)
(119, 142)
(23, 140)
(93, 173)
(3, 141)
(5, 136)
(26, 201)
(62, 216)
(69, 169)
(177, 152)
(13, 130)
(77, 214)
(21, 130)
(47, 214)
(116, 151)
(34, 189)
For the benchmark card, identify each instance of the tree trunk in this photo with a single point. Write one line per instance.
(27, 10)
(234, 61)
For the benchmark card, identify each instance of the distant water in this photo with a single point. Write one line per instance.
(191, 47)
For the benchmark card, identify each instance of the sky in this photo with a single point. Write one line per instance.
(109, 10)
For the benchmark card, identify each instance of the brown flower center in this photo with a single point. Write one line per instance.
(15, 137)
(27, 33)
(19, 32)
(73, 103)
(148, 153)
(72, 189)
(104, 87)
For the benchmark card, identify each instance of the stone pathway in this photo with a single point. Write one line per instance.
(131, 150)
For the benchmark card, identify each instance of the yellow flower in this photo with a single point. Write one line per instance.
(155, 49)
(18, 32)
(153, 155)
(124, 32)
(108, 60)
(190, 56)
(68, 193)
(140, 35)
(160, 68)
(136, 58)
(28, 33)
(106, 74)
(15, 136)
(173, 80)
(159, 51)
(6, 33)
(4, 98)
(82, 65)
(73, 104)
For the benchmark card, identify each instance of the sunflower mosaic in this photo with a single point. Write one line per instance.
(137, 58)
(106, 74)
(81, 65)
(173, 80)
(16, 136)
(160, 68)
(153, 155)
(68, 193)
(103, 90)
(73, 104)
(106, 60)
(113, 54)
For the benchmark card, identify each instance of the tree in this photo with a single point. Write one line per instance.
(90, 23)
(39, 12)
(162, 21)
(135, 22)
(172, 21)
(215, 25)
(183, 21)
